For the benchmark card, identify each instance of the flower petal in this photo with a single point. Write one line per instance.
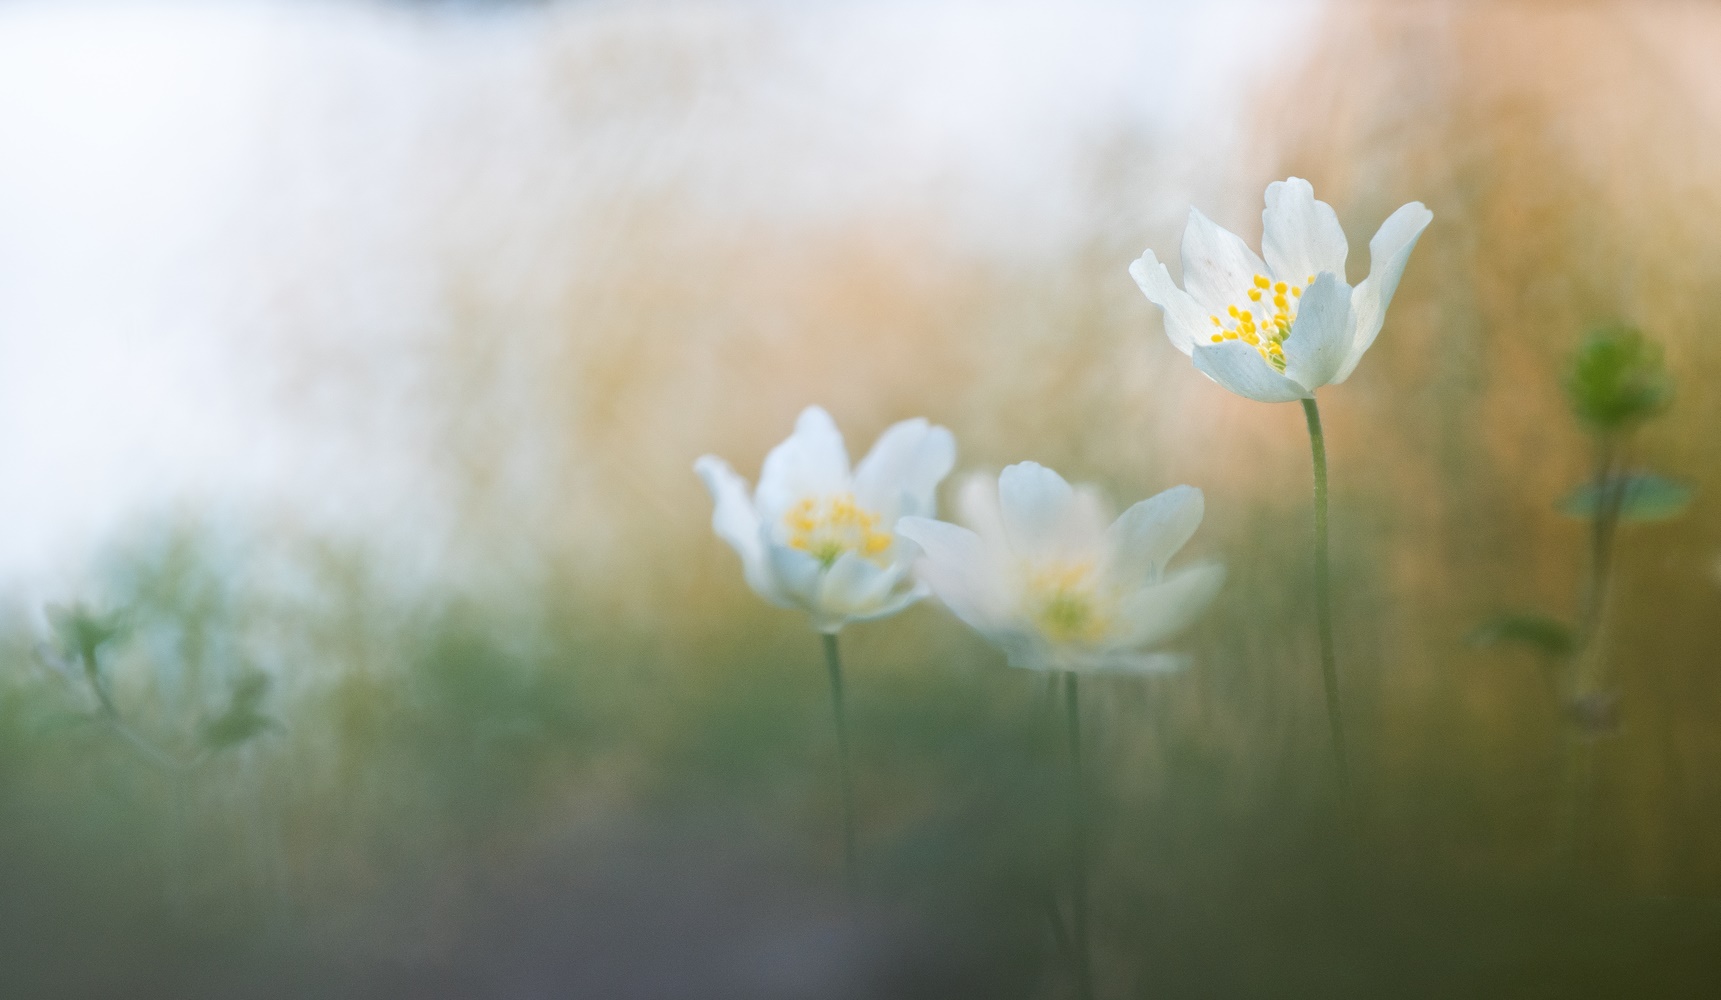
(1158, 611)
(1035, 502)
(1218, 267)
(961, 569)
(900, 475)
(977, 507)
(1185, 321)
(1240, 368)
(1388, 253)
(735, 521)
(1320, 338)
(811, 463)
(796, 575)
(1148, 534)
(896, 602)
(854, 588)
(1299, 235)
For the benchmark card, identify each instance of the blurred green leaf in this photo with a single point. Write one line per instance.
(1618, 379)
(1539, 632)
(243, 718)
(81, 631)
(1645, 496)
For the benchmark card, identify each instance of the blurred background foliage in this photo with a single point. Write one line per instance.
(518, 728)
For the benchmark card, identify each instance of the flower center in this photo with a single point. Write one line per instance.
(1066, 601)
(1265, 321)
(827, 527)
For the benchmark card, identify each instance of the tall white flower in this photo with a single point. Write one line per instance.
(1277, 330)
(1040, 574)
(818, 537)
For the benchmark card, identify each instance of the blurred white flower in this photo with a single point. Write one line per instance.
(1039, 574)
(817, 537)
(1277, 330)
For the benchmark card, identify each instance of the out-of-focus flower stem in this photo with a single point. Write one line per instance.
(1586, 669)
(1078, 840)
(834, 665)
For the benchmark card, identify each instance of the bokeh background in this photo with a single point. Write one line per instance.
(354, 358)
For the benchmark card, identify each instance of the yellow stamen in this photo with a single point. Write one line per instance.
(828, 527)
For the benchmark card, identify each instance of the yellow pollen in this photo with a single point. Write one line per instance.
(1310, 281)
(829, 526)
(1268, 331)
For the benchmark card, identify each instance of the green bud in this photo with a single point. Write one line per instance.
(1618, 380)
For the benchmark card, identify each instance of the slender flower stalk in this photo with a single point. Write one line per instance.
(1078, 840)
(1324, 605)
(834, 665)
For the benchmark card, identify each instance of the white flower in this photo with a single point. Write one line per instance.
(1041, 576)
(814, 536)
(1278, 330)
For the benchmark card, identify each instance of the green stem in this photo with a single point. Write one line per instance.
(1586, 669)
(1078, 840)
(834, 665)
(1324, 603)
(110, 714)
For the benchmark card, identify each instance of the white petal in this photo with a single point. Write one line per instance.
(902, 472)
(1218, 268)
(855, 584)
(1148, 534)
(1083, 533)
(736, 522)
(811, 463)
(1159, 611)
(1035, 502)
(1299, 235)
(891, 605)
(1240, 368)
(1320, 338)
(961, 570)
(1185, 321)
(1388, 253)
(796, 574)
(977, 507)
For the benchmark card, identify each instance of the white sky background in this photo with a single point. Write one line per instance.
(179, 182)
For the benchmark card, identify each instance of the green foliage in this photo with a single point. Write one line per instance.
(1617, 380)
(243, 717)
(1643, 496)
(1545, 635)
(81, 631)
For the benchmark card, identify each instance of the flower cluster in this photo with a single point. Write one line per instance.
(1038, 567)
(1037, 570)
